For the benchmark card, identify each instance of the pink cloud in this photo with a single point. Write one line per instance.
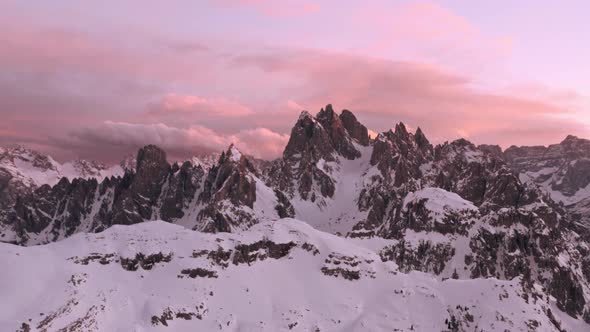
(179, 142)
(293, 105)
(273, 8)
(425, 31)
(261, 142)
(48, 49)
(187, 105)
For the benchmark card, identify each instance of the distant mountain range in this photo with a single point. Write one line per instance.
(342, 233)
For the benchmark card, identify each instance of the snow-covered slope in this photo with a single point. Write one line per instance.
(339, 213)
(34, 169)
(205, 161)
(277, 276)
(562, 170)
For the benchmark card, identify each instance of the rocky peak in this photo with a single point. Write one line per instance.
(561, 169)
(571, 139)
(229, 187)
(575, 147)
(339, 137)
(401, 132)
(315, 142)
(325, 136)
(234, 155)
(494, 150)
(308, 140)
(137, 202)
(231, 179)
(355, 129)
(36, 159)
(463, 168)
(421, 140)
(305, 114)
(459, 149)
(151, 159)
(401, 152)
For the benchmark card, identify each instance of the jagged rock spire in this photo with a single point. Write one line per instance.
(151, 160)
(355, 129)
(326, 134)
(308, 138)
(339, 137)
(421, 139)
(136, 202)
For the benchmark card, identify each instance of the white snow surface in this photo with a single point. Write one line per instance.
(340, 213)
(439, 201)
(44, 287)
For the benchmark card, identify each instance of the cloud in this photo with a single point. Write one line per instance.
(274, 8)
(425, 31)
(293, 105)
(55, 50)
(123, 137)
(187, 105)
(262, 142)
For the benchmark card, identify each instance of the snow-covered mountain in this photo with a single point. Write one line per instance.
(276, 276)
(205, 161)
(380, 213)
(34, 169)
(562, 170)
(23, 170)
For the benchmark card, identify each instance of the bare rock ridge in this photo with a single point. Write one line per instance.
(560, 170)
(135, 203)
(355, 129)
(157, 190)
(454, 210)
(340, 138)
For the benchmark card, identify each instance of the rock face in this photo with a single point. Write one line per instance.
(23, 170)
(179, 191)
(219, 200)
(454, 210)
(135, 203)
(298, 172)
(560, 170)
(230, 185)
(563, 169)
(339, 136)
(355, 129)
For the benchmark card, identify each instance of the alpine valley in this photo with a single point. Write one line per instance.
(342, 233)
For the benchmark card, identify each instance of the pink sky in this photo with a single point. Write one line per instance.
(85, 79)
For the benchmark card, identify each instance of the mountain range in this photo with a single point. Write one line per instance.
(342, 233)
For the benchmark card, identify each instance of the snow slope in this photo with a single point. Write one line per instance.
(34, 169)
(439, 201)
(340, 213)
(277, 276)
(206, 161)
